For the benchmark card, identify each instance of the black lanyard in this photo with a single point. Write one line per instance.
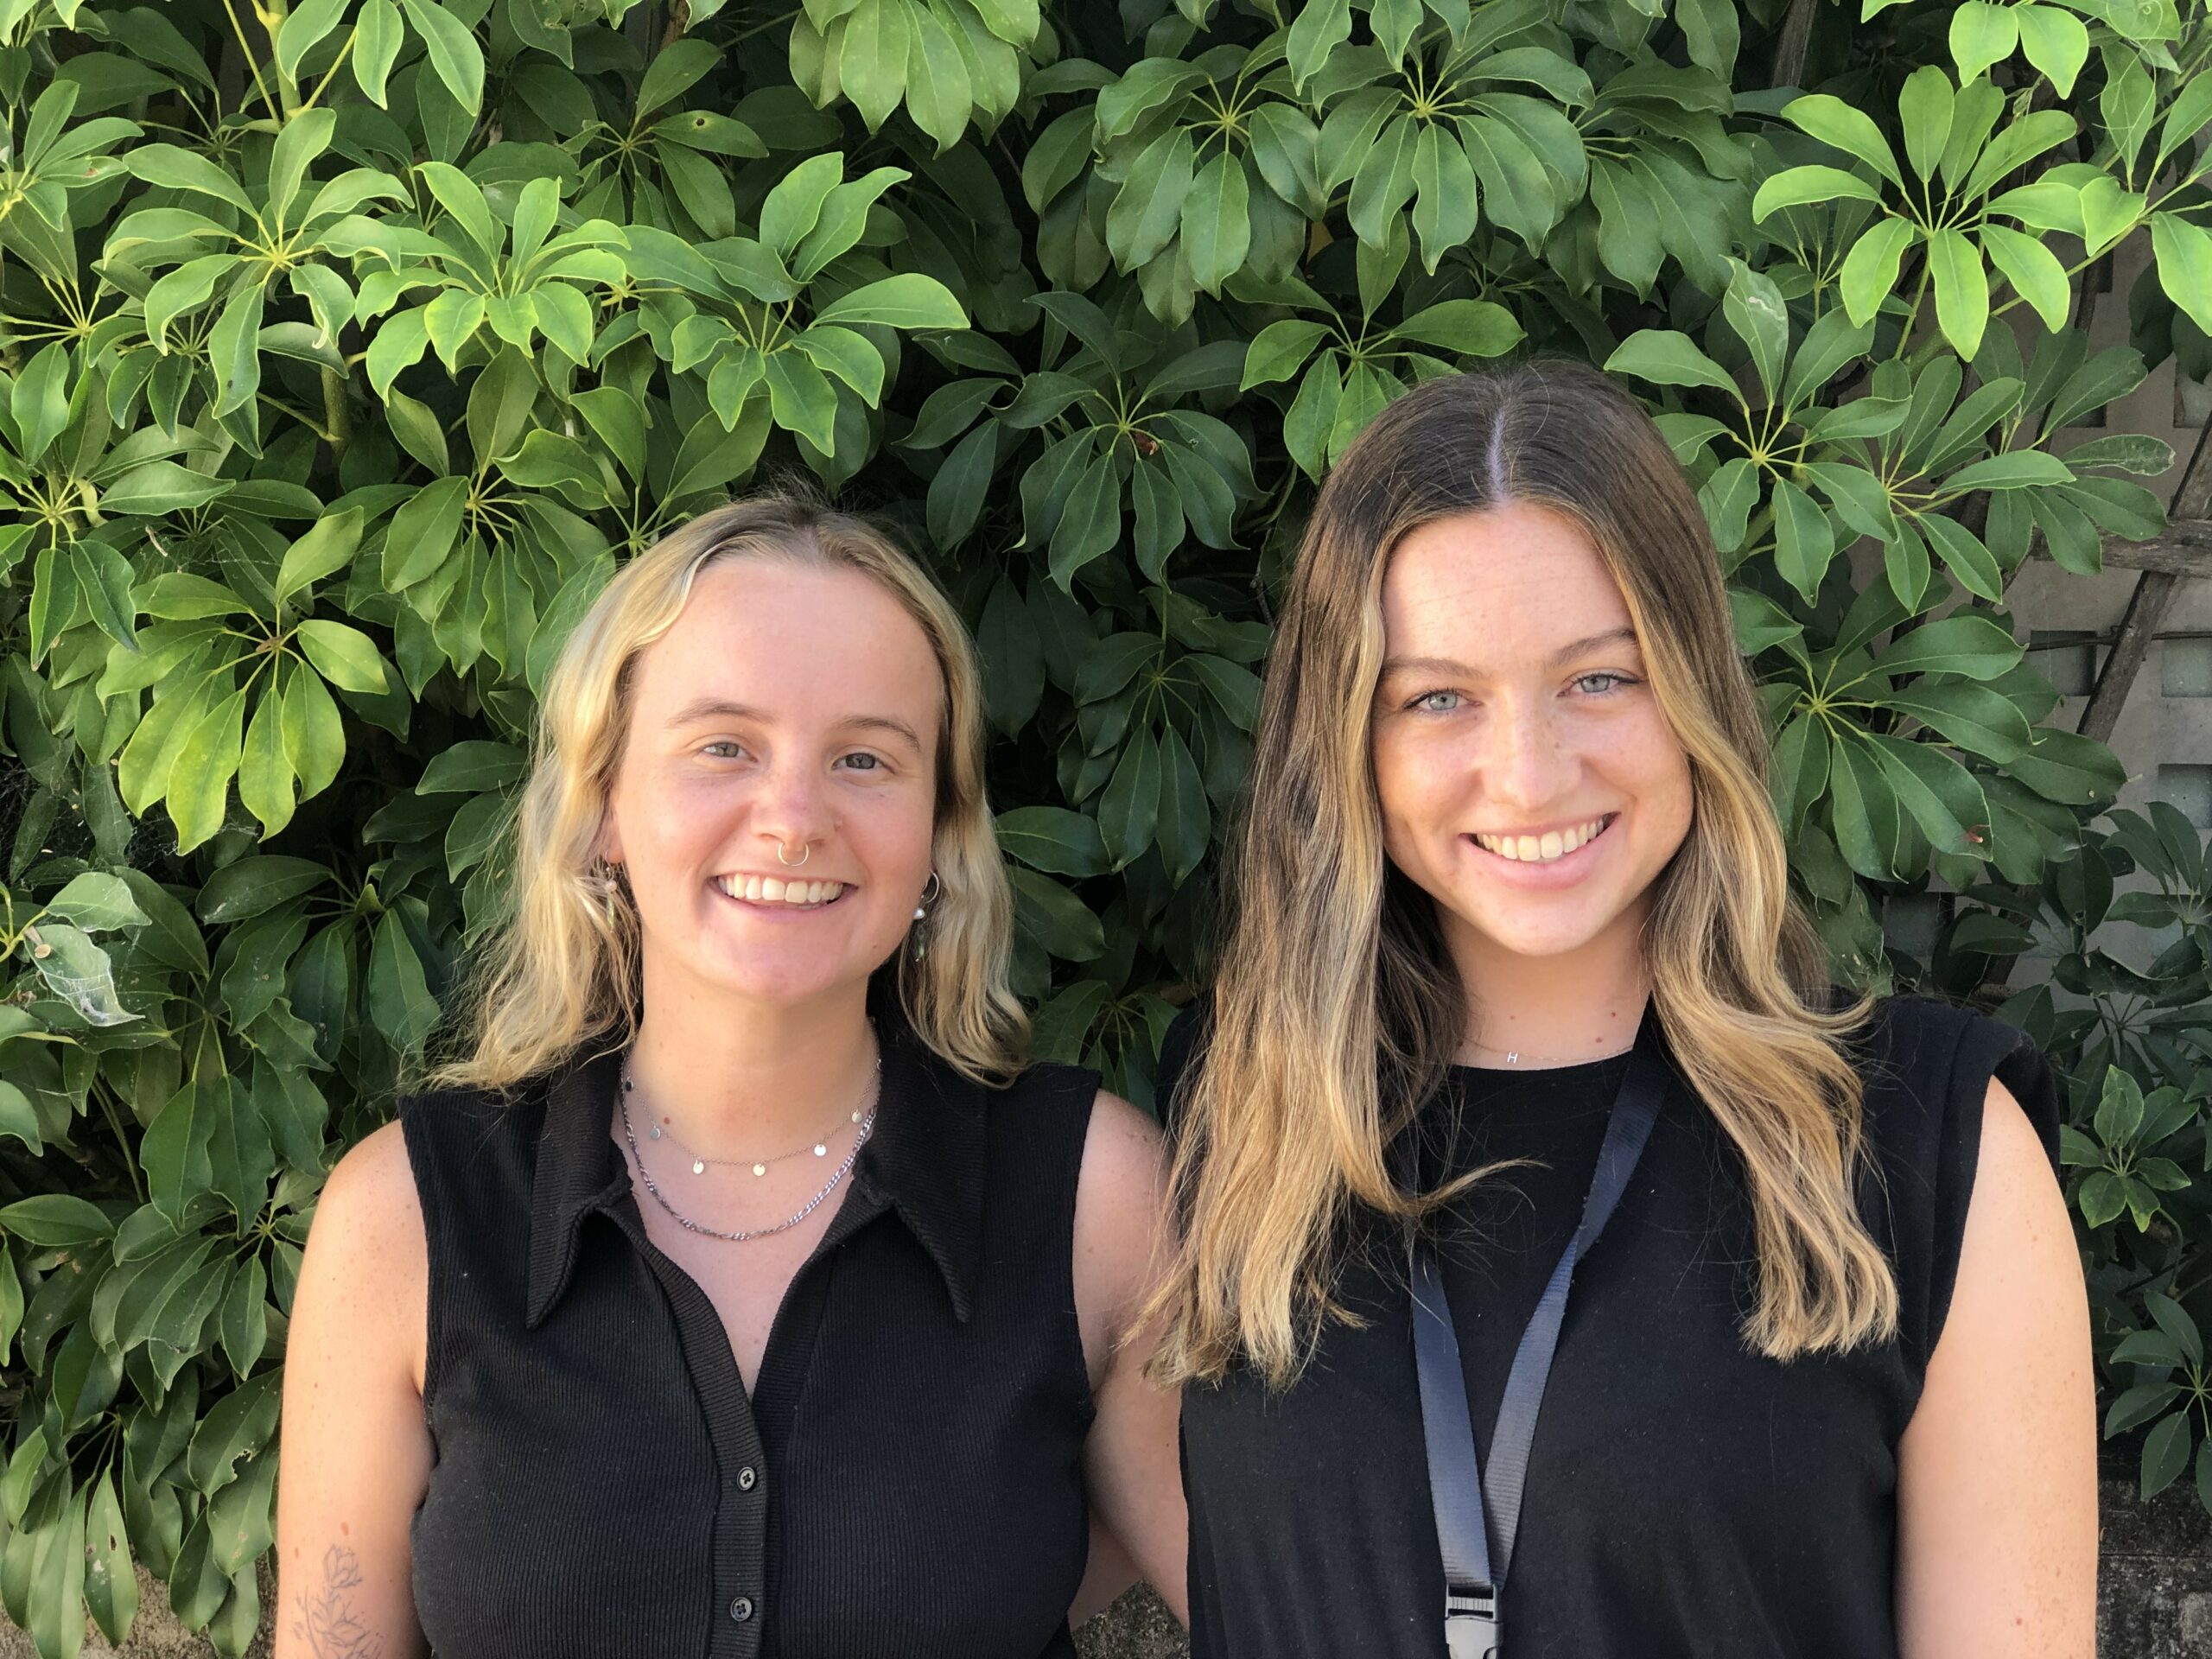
(1474, 1505)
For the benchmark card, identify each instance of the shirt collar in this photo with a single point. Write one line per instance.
(925, 1160)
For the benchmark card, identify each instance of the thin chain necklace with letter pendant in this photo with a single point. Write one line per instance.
(837, 1176)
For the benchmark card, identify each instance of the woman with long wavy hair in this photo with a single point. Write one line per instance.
(1566, 1267)
(735, 1289)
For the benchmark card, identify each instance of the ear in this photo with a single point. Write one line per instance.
(609, 845)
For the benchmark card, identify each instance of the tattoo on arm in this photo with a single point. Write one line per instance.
(328, 1622)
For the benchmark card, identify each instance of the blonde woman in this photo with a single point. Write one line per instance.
(1567, 1270)
(737, 1292)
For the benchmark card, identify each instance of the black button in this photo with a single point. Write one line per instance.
(746, 1478)
(741, 1609)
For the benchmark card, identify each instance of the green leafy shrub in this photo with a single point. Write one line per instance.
(347, 347)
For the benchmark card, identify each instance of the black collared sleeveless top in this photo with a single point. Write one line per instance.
(906, 1476)
(1687, 1499)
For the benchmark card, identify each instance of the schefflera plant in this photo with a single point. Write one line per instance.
(347, 347)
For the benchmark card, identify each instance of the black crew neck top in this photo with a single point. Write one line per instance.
(905, 1478)
(1687, 1499)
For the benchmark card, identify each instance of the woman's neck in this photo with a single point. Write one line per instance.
(734, 1079)
(1579, 1005)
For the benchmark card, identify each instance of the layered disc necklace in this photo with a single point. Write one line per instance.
(863, 1116)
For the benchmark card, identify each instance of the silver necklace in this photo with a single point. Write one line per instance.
(701, 1163)
(1514, 1056)
(837, 1176)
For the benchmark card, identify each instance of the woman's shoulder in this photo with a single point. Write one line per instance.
(1927, 1065)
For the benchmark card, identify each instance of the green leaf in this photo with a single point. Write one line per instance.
(1803, 542)
(1962, 289)
(2057, 42)
(1794, 187)
(2069, 767)
(1446, 197)
(1279, 350)
(1970, 644)
(97, 903)
(1964, 555)
(328, 547)
(160, 487)
(1129, 810)
(2165, 1454)
(872, 67)
(1755, 310)
(1973, 717)
(377, 40)
(1053, 839)
(400, 1003)
(801, 398)
(2013, 469)
(1925, 110)
(1869, 276)
(343, 654)
(1058, 921)
(1983, 34)
(1469, 327)
(2033, 269)
(1847, 129)
(1216, 224)
(54, 1221)
(453, 53)
(1147, 211)
(1667, 357)
(175, 168)
(909, 300)
(2183, 252)
(265, 774)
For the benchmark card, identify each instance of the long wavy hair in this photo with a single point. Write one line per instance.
(1337, 1009)
(559, 969)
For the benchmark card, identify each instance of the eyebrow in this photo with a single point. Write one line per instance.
(1564, 654)
(719, 708)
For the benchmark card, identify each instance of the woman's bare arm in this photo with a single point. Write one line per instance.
(1997, 1484)
(357, 1452)
(1131, 1459)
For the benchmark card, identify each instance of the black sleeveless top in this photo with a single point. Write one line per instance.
(906, 1477)
(1687, 1499)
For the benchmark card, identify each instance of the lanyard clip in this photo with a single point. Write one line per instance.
(1471, 1627)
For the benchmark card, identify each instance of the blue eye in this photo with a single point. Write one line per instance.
(724, 743)
(873, 763)
(1613, 682)
(1435, 702)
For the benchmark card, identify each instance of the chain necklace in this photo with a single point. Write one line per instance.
(1514, 1056)
(867, 1127)
(700, 1163)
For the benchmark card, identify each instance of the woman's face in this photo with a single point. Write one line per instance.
(790, 708)
(1529, 782)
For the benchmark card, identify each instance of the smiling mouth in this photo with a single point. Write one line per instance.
(775, 890)
(1548, 847)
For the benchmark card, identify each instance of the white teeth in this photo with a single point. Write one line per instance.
(1541, 849)
(773, 890)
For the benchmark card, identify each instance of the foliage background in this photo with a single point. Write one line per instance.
(346, 346)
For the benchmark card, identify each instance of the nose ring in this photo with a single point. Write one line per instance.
(793, 864)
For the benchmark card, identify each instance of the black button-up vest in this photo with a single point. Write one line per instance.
(906, 1477)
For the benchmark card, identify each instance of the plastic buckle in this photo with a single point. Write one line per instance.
(1470, 1626)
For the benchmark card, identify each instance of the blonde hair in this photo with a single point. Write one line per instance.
(1338, 1008)
(560, 967)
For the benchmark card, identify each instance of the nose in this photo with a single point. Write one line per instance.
(1530, 761)
(790, 810)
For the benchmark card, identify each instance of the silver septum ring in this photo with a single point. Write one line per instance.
(793, 864)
